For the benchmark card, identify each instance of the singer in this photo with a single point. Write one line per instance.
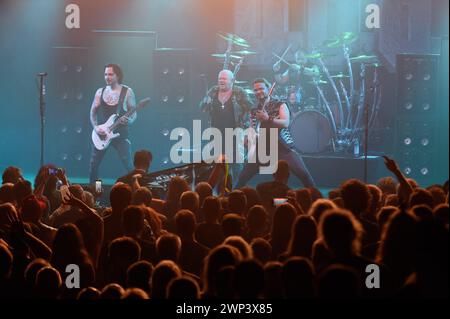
(272, 113)
(228, 106)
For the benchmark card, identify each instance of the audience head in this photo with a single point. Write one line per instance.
(356, 196)
(341, 233)
(168, 247)
(237, 203)
(143, 159)
(120, 196)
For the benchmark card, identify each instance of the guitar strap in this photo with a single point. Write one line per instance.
(123, 93)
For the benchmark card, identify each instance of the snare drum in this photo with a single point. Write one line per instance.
(312, 132)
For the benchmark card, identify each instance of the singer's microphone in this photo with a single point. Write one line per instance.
(42, 74)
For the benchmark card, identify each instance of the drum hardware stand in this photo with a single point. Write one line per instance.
(327, 108)
(336, 92)
(350, 73)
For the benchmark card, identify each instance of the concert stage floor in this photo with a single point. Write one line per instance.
(328, 172)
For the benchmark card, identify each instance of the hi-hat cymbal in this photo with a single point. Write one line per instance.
(340, 76)
(348, 37)
(363, 58)
(222, 56)
(234, 39)
(244, 52)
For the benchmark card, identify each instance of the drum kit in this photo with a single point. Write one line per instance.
(333, 120)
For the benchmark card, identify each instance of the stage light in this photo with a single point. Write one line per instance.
(180, 99)
(78, 68)
(165, 98)
(408, 106)
(64, 156)
(407, 141)
(408, 170)
(165, 132)
(64, 96)
(165, 160)
(424, 171)
(427, 77)
(408, 76)
(78, 129)
(181, 71)
(79, 96)
(166, 71)
(78, 157)
(64, 129)
(424, 142)
(426, 106)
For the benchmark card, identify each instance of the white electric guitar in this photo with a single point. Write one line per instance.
(101, 142)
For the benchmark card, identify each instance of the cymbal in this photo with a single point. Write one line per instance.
(313, 71)
(333, 43)
(340, 76)
(245, 52)
(234, 39)
(222, 56)
(348, 37)
(318, 82)
(240, 82)
(318, 55)
(363, 58)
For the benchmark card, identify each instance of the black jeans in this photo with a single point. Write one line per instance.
(296, 166)
(123, 148)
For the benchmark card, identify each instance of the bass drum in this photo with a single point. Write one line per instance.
(312, 132)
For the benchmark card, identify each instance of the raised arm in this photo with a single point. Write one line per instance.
(405, 189)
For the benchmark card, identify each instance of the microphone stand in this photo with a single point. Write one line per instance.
(42, 112)
(366, 139)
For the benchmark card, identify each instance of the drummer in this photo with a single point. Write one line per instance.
(294, 74)
(295, 77)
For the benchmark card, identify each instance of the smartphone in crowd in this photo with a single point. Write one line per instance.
(279, 201)
(98, 186)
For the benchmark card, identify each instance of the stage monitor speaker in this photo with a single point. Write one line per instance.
(418, 111)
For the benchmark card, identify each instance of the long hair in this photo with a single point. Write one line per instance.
(117, 70)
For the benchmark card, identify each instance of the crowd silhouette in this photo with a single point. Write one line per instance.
(193, 244)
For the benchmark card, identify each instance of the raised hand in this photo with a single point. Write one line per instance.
(207, 100)
(277, 66)
(72, 200)
(391, 164)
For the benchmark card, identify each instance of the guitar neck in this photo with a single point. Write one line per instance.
(127, 114)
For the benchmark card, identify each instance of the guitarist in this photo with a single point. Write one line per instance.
(272, 113)
(117, 98)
